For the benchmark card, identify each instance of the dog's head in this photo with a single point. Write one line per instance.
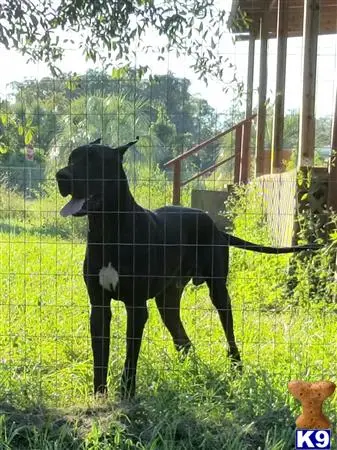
(94, 177)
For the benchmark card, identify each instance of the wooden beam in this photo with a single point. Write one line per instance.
(261, 115)
(327, 20)
(307, 116)
(332, 193)
(332, 180)
(281, 67)
(245, 147)
(176, 183)
(250, 75)
(334, 126)
(238, 147)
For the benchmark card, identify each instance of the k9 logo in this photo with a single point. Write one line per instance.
(313, 439)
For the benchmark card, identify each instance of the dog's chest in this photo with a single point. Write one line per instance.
(122, 269)
(108, 277)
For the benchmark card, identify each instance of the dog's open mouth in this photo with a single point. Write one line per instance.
(73, 207)
(82, 206)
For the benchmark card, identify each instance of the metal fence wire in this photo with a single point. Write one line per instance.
(283, 306)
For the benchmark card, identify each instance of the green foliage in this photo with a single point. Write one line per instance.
(283, 331)
(312, 276)
(291, 135)
(55, 115)
(166, 132)
(197, 403)
(246, 209)
(114, 118)
(20, 174)
(302, 280)
(108, 32)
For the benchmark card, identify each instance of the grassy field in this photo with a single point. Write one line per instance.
(199, 403)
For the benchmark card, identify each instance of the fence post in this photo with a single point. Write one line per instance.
(238, 146)
(247, 127)
(176, 182)
(332, 195)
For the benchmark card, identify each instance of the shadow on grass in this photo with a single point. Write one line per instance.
(203, 409)
(44, 230)
(37, 428)
(206, 410)
(213, 411)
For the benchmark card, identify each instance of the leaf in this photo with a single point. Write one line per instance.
(4, 119)
(3, 148)
(73, 83)
(28, 137)
(34, 20)
(4, 40)
(119, 73)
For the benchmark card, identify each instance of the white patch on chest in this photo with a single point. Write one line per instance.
(108, 276)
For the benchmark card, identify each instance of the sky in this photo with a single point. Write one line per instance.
(15, 67)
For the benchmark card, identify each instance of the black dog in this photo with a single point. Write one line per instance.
(134, 254)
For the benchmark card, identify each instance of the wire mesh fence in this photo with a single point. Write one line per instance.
(51, 320)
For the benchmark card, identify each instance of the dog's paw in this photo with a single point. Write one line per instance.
(235, 361)
(183, 349)
(101, 392)
(100, 398)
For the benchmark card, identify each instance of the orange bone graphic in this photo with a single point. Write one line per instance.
(312, 396)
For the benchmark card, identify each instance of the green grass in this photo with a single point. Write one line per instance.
(199, 403)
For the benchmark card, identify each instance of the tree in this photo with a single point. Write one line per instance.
(166, 131)
(169, 107)
(112, 31)
(114, 119)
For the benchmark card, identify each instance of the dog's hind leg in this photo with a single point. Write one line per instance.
(220, 298)
(136, 320)
(168, 304)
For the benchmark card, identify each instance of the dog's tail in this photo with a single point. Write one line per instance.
(234, 241)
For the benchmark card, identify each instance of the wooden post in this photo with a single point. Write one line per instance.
(332, 193)
(176, 182)
(307, 115)
(237, 161)
(332, 180)
(278, 117)
(261, 115)
(245, 148)
(250, 75)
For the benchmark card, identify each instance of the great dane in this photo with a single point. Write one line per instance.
(134, 254)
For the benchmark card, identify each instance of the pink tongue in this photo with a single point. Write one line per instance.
(72, 207)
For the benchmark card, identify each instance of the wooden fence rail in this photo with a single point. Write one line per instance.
(241, 156)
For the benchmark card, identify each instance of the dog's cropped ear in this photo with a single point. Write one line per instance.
(98, 141)
(123, 148)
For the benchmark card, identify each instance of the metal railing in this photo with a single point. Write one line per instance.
(241, 157)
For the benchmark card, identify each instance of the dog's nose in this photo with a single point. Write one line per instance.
(62, 175)
(63, 179)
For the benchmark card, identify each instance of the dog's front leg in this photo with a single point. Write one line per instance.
(136, 320)
(100, 319)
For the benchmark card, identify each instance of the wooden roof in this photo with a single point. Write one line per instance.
(254, 10)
